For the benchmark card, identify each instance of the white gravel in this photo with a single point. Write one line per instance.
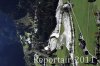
(66, 37)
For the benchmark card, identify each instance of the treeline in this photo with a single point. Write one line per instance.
(46, 10)
(91, 0)
(46, 18)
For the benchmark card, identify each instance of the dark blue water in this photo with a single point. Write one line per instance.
(11, 51)
(8, 5)
(11, 7)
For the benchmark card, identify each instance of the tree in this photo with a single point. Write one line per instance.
(91, 0)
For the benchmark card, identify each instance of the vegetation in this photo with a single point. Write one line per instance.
(45, 12)
(84, 15)
(91, 0)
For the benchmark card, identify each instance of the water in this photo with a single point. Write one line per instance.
(13, 8)
(11, 51)
(8, 5)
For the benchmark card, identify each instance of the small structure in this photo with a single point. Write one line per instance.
(83, 44)
(86, 52)
(82, 41)
(94, 61)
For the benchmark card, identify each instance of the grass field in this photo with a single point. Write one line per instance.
(98, 4)
(84, 13)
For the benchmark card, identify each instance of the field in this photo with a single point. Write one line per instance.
(98, 4)
(83, 15)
